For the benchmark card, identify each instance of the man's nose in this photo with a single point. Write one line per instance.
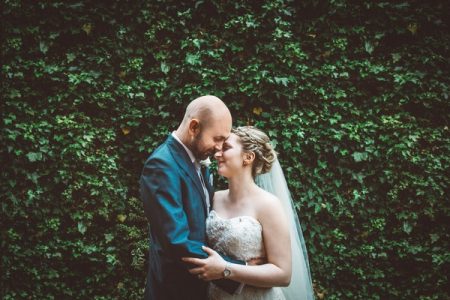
(219, 146)
(218, 154)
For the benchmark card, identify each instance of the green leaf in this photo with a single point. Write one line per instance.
(360, 156)
(193, 59)
(34, 156)
(407, 227)
(165, 68)
(70, 57)
(281, 80)
(43, 46)
(81, 227)
(368, 46)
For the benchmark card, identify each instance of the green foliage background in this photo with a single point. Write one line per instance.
(354, 93)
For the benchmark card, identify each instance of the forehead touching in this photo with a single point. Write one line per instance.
(219, 129)
(232, 140)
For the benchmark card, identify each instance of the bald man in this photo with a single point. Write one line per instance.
(176, 193)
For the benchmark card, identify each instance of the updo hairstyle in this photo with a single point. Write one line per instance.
(256, 141)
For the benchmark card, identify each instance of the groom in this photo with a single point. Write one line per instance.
(177, 196)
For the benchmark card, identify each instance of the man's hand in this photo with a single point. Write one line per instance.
(256, 261)
(207, 269)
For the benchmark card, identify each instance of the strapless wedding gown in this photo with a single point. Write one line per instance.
(239, 238)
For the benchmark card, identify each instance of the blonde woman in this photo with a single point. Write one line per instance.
(251, 220)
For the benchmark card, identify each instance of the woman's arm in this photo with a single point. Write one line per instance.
(277, 270)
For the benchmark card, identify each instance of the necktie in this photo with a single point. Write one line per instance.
(205, 190)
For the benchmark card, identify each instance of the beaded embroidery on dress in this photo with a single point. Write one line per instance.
(239, 238)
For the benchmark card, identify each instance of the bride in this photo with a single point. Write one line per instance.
(254, 218)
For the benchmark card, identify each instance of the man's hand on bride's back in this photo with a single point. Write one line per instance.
(257, 261)
(207, 269)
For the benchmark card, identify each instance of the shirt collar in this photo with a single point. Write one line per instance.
(189, 152)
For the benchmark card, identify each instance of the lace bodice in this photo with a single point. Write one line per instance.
(239, 238)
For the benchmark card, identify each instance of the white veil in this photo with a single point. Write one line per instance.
(300, 287)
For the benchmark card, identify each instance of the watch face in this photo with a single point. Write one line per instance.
(226, 273)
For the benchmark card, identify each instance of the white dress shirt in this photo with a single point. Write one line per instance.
(197, 166)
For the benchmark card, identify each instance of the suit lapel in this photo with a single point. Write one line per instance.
(207, 176)
(184, 161)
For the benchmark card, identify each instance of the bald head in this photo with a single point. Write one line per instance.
(206, 109)
(205, 126)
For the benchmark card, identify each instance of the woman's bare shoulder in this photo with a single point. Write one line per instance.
(268, 204)
(266, 198)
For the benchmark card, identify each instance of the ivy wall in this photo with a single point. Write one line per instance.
(354, 93)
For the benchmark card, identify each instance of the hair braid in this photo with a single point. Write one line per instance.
(256, 141)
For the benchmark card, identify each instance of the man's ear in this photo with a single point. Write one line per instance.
(194, 127)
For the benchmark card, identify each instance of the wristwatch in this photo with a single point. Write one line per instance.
(227, 271)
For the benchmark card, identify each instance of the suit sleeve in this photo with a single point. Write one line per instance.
(161, 195)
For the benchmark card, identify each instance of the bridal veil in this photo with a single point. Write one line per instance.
(300, 287)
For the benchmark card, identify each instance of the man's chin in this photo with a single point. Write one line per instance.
(207, 155)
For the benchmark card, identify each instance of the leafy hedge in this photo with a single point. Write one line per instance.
(354, 93)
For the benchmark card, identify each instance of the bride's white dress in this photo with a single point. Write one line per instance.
(239, 238)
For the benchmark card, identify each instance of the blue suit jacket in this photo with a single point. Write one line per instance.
(174, 204)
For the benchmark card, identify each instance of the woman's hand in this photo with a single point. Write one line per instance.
(210, 268)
